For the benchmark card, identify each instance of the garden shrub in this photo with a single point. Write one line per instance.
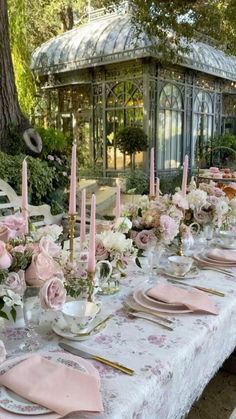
(39, 173)
(137, 182)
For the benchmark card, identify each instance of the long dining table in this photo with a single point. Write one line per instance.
(171, 367)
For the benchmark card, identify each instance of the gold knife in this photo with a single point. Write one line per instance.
(87, 355)
(208, 290)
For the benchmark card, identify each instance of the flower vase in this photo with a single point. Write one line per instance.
(108, 278)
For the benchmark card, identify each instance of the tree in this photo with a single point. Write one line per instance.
(173, 21)
(10, 113)
(131, 140)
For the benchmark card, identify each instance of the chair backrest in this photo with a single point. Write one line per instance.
(10, 203)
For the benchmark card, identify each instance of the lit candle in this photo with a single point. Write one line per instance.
(83, 219)
(92, 232)
(73, 182)
(185, 176)
(152, 174)
(24, 191)
(117, 211)
(157, 187)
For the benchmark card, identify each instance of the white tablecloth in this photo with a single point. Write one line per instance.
(171, 368)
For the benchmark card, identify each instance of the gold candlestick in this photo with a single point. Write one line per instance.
(72, 220)
(91, 276)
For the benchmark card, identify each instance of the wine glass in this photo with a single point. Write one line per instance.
(31, 311)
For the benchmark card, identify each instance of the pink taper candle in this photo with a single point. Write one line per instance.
(82, 219)
(24, 191)
(73, 182)
(117, 212)
(157, 187)
(185, 176)
(152, 174)
(92, 232)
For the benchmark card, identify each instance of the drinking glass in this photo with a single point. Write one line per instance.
(32, 312)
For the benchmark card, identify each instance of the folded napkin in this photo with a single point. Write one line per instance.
(222, 255)
(195, 300)
(57, 387)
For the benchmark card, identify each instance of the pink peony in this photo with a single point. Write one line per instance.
(169, 228)
(16, 282)
(145, 239)
(5, 257)
(180, 201)
(41, 268)
(3, 353)
(101, 252)
(48, 246)
(52, 294)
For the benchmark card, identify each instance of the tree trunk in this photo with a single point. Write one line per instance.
(10, 113)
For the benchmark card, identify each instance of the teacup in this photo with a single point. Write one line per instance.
(180, 265)
(79, 314)
(228, 238)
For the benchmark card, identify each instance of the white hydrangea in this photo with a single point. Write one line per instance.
(197, 199)
(115, 241)
(54, 231)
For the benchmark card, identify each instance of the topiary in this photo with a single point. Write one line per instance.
(131, 140)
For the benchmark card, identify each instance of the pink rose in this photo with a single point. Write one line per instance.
(145, 239)
(16, 282)
(101, 252)
(169, 228)
(5, 257)
(52, 294)
(6, 233)
(48, 246)
(16, 224)
(3, 353)
(41, 268)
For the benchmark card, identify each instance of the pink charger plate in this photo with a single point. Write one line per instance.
(154, 305)
(212, 262)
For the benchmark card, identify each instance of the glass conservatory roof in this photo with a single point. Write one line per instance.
(113, 38)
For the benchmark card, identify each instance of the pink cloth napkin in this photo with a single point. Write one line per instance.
(195, 300)
(57, 387)
(222, 255)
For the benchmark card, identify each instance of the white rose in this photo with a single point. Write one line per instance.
(16, 282)
(123, 225)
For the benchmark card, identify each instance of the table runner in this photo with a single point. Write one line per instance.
(172, 368)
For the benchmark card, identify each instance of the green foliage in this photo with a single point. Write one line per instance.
(137, 182)
(220, 151)
(131, 140)
(168, 183)
(40, 176)
(54, 141)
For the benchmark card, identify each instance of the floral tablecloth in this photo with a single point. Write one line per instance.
(171, 368)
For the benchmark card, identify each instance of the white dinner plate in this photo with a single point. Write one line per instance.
(11, 402)
(154, 305)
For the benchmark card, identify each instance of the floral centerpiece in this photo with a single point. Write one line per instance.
(154, 222)
(36, 262)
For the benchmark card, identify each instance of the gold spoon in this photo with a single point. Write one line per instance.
(95, 327)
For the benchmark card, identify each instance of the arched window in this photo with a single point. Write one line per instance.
(124, 107)
(170, 127)
(203, 123)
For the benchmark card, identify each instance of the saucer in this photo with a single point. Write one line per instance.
(66, 333)
(189, 275)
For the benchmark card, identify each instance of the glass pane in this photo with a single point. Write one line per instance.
(161, 138)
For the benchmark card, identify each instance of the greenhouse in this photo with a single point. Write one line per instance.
(102, 76)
